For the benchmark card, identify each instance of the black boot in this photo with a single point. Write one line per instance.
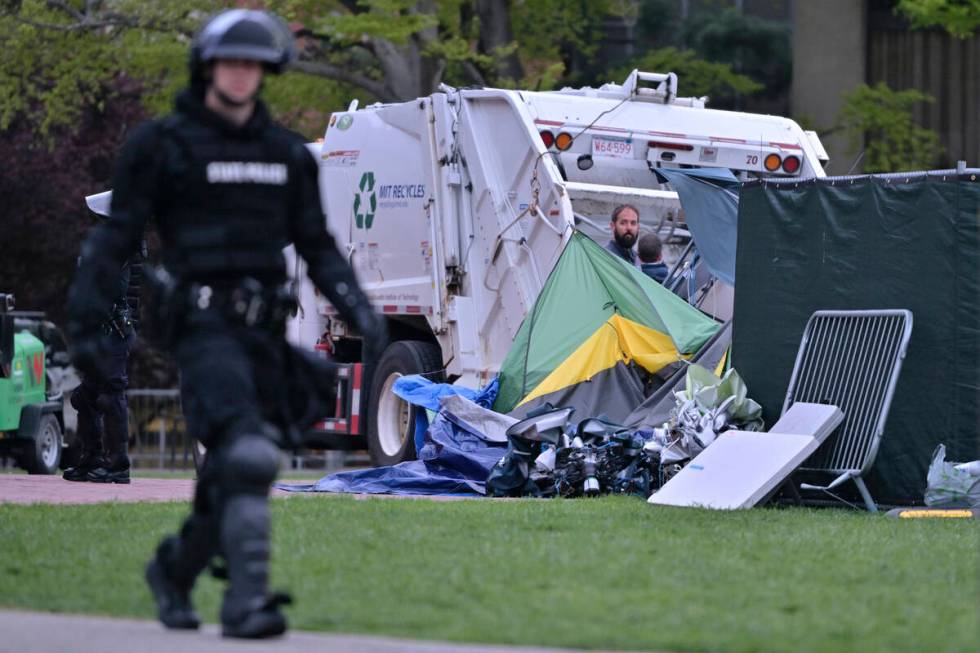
(116, 426)
(88, 432)
(173, 600)
(87, 462)
(259, 619)
(248, 610)
(107, 474)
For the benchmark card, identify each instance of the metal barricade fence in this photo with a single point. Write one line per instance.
(158, 437)
(158, 431)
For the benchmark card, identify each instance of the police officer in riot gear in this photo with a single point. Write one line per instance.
(100, 399)
(228, 190)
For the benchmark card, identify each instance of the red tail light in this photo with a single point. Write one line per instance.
(791, 164)
(547, 138)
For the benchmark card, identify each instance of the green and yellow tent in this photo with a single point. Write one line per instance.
(595, 316)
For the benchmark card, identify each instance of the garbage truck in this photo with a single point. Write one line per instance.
(453, 209)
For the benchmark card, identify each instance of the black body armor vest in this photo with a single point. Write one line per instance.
(222, 211)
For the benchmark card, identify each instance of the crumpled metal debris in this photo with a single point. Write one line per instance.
(706, 407)
(548, 456)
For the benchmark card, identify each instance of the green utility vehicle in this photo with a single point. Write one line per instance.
(31, 419)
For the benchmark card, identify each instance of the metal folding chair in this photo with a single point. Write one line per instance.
(850, 359)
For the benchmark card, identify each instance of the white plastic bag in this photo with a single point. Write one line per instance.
(952, 485)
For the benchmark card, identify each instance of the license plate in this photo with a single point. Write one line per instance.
(612, 147)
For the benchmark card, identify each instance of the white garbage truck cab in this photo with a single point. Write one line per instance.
(454, 208)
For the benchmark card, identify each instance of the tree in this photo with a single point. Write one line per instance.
(754, 47)
(62, 57)
(961, 18)
(696, 77)
(388, 50)
(43, 191)
(401, 49)
(878, 121)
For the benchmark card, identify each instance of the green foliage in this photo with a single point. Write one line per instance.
(47, 75)
(305, 102)
(159, 62)
(696, 77)
(880, 120)
(552, 33)
(757, 48)
(961, 18)
(658, 24)
(610, 573)
(543, 76)
(54, 68)
(547, 28)
(58, 61)
(393, 20)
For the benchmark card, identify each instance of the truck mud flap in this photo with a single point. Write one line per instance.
(344, 429)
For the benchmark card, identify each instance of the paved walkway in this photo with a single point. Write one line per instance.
(39, 632)
(28, 488)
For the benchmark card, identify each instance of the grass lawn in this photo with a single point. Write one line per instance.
(611, 573)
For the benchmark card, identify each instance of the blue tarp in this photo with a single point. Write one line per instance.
(709, 197)
(452, 460)
(420, 391)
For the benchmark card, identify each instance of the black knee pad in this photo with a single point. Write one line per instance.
(81, 399)
(251, 461)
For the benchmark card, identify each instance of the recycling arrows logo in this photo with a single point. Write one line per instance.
(365, 202)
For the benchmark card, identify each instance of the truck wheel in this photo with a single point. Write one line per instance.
(42, 455)
(391, 423)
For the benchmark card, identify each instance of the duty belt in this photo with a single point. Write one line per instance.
(249, 302)
(120, 322)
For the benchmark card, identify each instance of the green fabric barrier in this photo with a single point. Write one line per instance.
(889, 241)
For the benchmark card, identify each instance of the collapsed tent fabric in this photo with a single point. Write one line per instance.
(656, 409)
(594, 318)
(420, 391)
(909, 240)
(453, 460)
(710, 200)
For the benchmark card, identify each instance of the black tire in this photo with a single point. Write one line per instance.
(42, 455)
(391, 421)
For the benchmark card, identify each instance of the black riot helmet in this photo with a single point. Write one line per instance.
(242, 34)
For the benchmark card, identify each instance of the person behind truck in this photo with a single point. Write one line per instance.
(100, 399)
(625, 225)
(650, 250)
(228, 189)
